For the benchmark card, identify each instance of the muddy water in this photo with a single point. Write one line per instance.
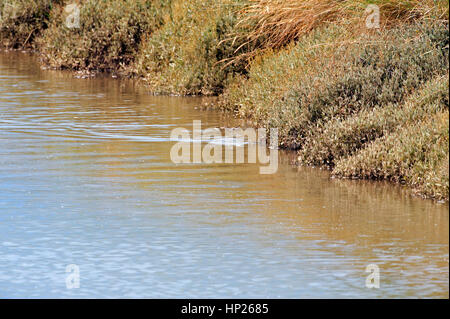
(86, 179)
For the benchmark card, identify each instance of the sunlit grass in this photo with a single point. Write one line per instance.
(275, 23)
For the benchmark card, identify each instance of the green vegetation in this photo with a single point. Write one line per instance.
(416, 154)
(184, 56)
(21, 21)
(367, 103)
(302, 88)
(339, 138)
(107, 38)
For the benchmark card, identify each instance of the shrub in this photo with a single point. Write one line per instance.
(108, 37)
(322, 82)
(340, 138)
(21, 21)
(416, 155)
(183, 56)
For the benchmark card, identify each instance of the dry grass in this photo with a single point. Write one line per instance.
(276, 23)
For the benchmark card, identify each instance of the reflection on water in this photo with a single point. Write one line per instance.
(86, 179)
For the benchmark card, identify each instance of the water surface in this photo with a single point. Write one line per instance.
(86, 179)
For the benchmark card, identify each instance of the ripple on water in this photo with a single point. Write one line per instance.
(86, 179)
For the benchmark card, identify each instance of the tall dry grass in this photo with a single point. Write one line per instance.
(276, 23)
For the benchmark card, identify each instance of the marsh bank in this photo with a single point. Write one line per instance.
(366, 102)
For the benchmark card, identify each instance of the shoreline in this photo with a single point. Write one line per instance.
(329, 115)
(291, 154)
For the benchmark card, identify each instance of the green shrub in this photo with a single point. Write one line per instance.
(108, 37)
(340, 138)
(188, 54)
(335, 81)
(415, 155)
(381, 74)
(22, 20)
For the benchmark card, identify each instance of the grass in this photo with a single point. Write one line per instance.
(276, 23)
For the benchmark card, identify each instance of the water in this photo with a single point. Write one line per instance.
(86, 179)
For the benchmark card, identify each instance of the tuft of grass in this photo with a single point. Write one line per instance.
(21, 21)
(108, 37)
(416, 155)
(276, 23)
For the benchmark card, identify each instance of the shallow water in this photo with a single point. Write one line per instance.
(86, 179)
